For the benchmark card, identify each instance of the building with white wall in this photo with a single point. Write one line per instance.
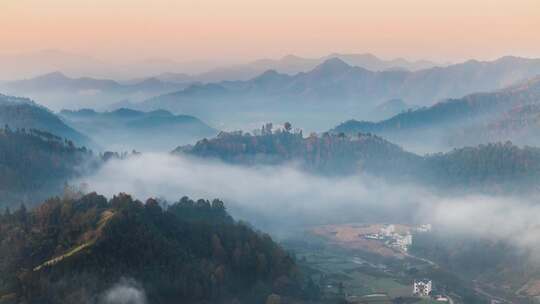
(422, 288)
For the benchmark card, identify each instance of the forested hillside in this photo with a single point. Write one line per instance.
(509, 114)
(499, 164)
(492, 166)
(520, 125)
(24, 113)
(34, 164)
(327, 154)
(74, 249)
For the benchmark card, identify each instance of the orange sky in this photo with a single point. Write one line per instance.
(240, 30)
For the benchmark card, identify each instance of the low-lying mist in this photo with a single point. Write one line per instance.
(281, 199)
(267, 196)
(126, 291)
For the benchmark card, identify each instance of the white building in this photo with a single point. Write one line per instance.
(401, 242)
(374, 236)
(388, 230)
(424, 228)
(422, 288)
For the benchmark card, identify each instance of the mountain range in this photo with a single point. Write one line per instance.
(19, 113)
(335, 90)
(292, 64)
(26, 65)
(125, 129)
(57, 91)
(509, 114)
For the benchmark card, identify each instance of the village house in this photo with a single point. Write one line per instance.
(422, 288)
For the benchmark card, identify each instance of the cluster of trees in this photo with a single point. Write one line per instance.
(72, 249)
(493, 164)
(328, 153)
(34, 164)
(520, 125)
(501, 166)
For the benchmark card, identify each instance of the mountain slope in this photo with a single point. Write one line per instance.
(477, 118)
(329, 154)
(23, 113)
(492, 167)
(58, 91)
(125, 129)
(36, 164)
(506, 165)
(338, 89)
(190, 252)
(390, 108)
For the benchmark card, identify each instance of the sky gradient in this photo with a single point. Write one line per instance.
(242, 30)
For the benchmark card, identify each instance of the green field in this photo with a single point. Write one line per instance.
(361, 277)
(358, 277)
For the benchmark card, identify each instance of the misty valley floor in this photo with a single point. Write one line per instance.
(371, 275)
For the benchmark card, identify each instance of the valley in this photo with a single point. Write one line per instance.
(269, 152)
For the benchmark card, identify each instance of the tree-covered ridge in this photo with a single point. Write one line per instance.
(472, 119)
(487, 164)
(451, 110)
(35, 163)
(21, 113)
(520, 125)
(328, 153)
(72, 249)
(126, 129)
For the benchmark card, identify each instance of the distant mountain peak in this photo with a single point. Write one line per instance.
(268, 75)
(56, 75)
(365, 56)
(126, 112)
(291, 57)
(150, 81)
(332, 65)
(511, 59)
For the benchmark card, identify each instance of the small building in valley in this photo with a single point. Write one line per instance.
(422, 288)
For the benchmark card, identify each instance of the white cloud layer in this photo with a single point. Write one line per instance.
(284, 197)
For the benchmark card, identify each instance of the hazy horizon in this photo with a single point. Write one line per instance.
(161, 65)
(150, 67)
(240, 31)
